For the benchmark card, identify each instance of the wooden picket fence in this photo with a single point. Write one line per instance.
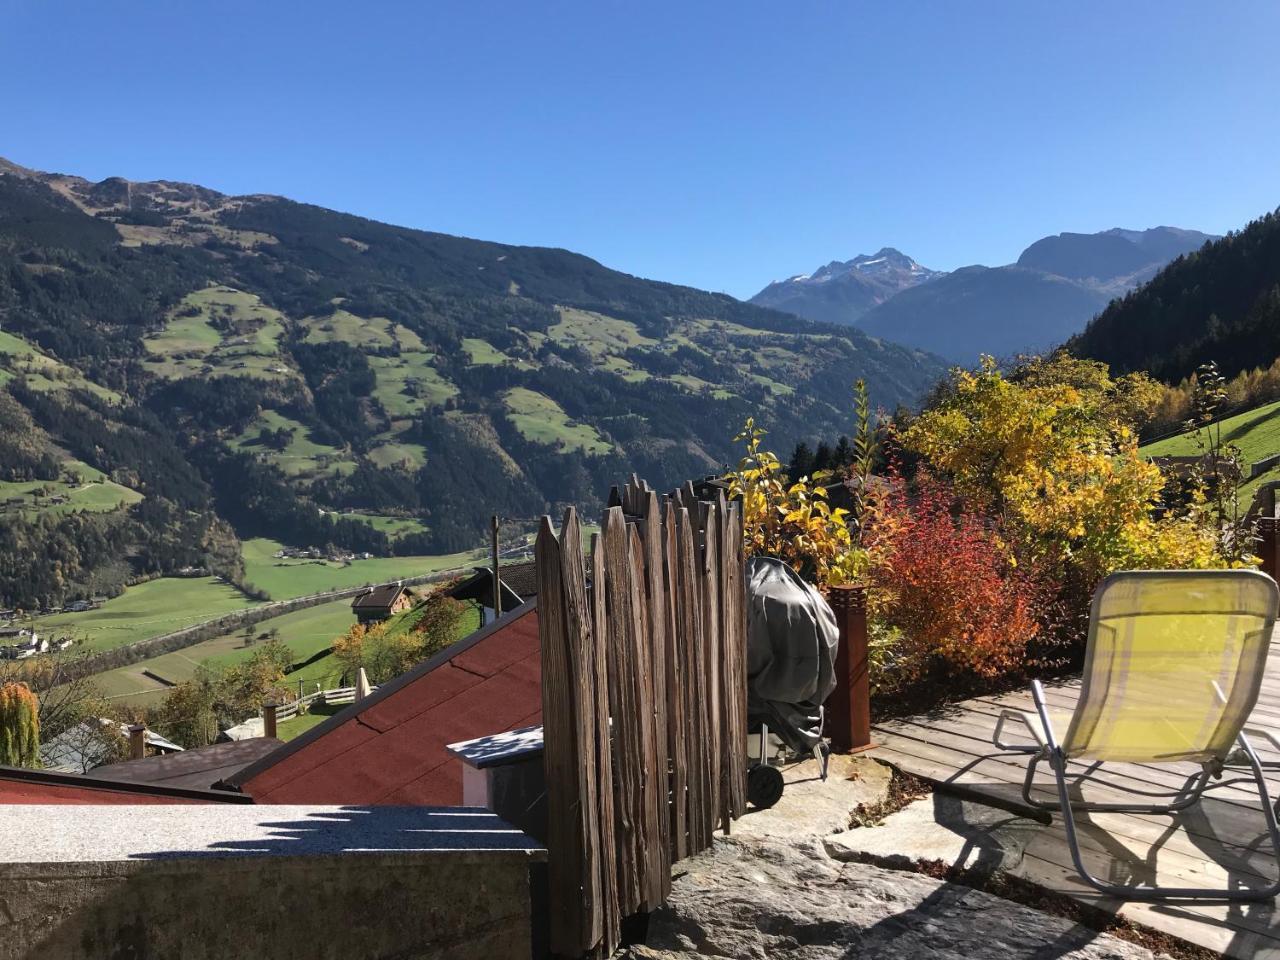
(644, 701)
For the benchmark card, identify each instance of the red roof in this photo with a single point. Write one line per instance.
(43, 786)
(389, 749)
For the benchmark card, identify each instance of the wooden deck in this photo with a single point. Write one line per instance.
(1221, 843)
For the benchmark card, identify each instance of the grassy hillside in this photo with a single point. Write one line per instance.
(147, 610)
(256, 368)
(1255, 432)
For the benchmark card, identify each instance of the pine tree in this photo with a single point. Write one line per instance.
(801, 461)
(19, 726)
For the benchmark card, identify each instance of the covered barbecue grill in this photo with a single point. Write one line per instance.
(792, 639)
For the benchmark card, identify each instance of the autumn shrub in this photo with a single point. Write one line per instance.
(19, 726)
(793, 520)
(953, 594)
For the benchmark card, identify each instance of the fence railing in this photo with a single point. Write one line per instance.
(644, 703)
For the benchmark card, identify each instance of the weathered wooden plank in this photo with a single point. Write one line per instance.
(739, 731)
(582, 675)
(656, 595)
(712, 655)
(677, 726)
(655, 863)
(694, 694)
(606, 817)
(624, 708)
(568, 934)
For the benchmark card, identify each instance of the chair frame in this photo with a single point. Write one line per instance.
(1048, 748)
(1192, 792)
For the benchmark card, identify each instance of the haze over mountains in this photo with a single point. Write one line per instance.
(1056, 286)
(206, 364)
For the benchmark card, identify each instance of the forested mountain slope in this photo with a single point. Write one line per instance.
(1219, 303)
(256, 363)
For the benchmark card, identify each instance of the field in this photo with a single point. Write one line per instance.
(284, 579)
(91, 491)
(540, 419)
(394, 452)
(300, 457)
(147, 610)
(392, 526)
(305, 632)
(1256, 432)
(481, 353)
(219, 330)
(408, 385)
(42, 372)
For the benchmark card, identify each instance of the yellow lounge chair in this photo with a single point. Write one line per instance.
(1174, 662)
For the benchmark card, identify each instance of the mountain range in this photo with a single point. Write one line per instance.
(179, 368)
(1055, 287)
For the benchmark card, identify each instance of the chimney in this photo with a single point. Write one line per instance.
(269, 718)
(137, 741)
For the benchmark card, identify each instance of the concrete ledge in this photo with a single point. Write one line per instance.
(205, 882)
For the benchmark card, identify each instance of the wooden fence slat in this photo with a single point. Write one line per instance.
(607, 819)
(624, 709)
(656, 593)
(582, 677)
(712, 621)
(655, 860)
(677, 723)
(695, 671)
(564, 810)
(738, 624)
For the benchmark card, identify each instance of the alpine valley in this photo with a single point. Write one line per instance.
(180, 369)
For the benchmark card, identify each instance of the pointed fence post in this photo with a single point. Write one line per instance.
(848, 713)
(137, 741)
(268, 718)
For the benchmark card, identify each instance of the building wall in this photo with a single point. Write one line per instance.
(447, 905)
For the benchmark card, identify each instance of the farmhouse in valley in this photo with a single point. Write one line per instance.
(381, 603)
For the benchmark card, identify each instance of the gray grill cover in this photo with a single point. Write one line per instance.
(792, 640)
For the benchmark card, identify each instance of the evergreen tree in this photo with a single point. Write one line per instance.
(824, 459)
(801, 461)
(842, 455)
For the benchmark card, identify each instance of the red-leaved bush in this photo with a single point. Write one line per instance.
(951, 584)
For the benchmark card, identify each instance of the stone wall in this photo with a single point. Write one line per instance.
(348, 888)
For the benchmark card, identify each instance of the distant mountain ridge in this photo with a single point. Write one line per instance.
(843, 291)
(1057, 284)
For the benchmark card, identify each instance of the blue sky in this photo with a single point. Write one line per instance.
(716, 144)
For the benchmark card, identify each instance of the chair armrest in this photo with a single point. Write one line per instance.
(1266, 735)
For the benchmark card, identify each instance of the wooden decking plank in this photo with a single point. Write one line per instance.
(1145, 774)
(1224, 814)
(1078, 890)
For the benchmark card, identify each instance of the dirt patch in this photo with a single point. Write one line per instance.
(903, 789)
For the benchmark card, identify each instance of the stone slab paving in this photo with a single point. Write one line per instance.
(793, 881)
(756, 899)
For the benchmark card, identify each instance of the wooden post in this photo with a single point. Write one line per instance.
(497, 582)
(269, 718)
(137, 741)
(848, 714)
(1267, 544)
